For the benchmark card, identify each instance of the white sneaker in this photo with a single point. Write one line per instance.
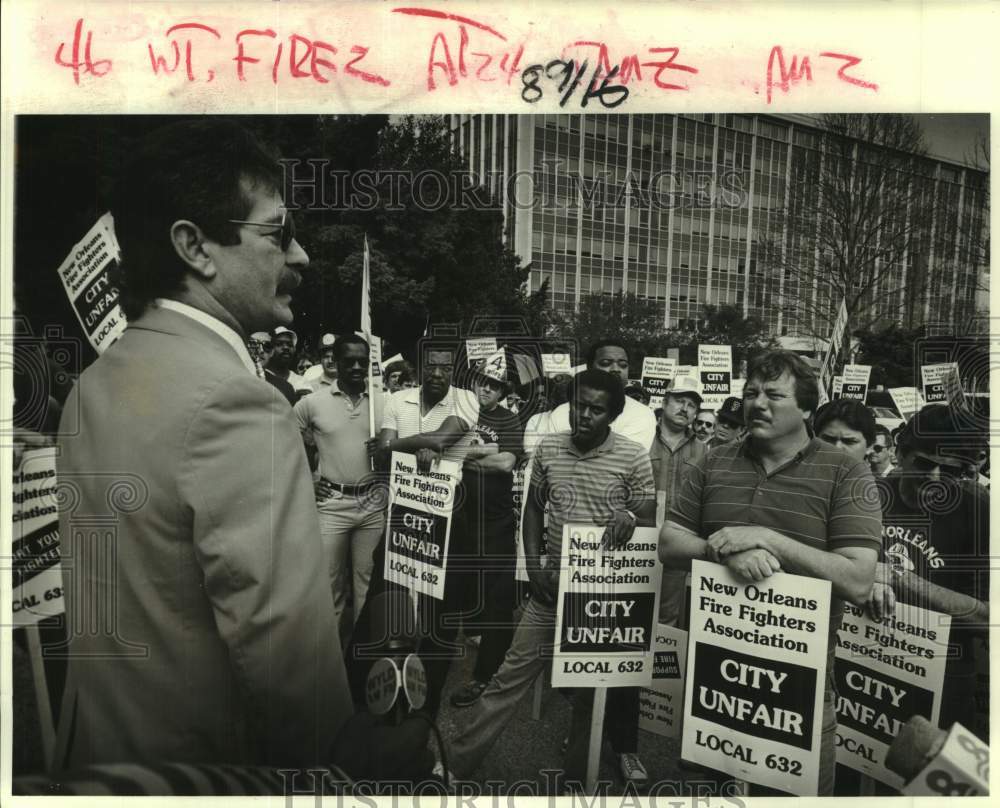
(632, 769)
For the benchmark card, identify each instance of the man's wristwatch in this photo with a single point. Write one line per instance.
(632, 516)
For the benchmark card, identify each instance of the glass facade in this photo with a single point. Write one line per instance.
(688, 209)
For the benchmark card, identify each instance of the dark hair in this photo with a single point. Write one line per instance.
(192, 170)
(601, 381)
(347, 339)
(605, 343)
(769, 365)
(882, 429)
(939, 429)
(852, 412)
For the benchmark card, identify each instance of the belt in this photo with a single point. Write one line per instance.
(349, 490)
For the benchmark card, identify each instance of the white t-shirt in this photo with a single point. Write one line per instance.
(637, 422)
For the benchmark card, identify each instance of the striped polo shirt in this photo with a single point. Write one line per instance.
(402, 414)
(589, 486)
(821, 497)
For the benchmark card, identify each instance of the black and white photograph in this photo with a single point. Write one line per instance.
(565, 450)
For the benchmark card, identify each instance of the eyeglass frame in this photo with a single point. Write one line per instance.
(286, 226)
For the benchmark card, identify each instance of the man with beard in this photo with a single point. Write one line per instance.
(283, 361)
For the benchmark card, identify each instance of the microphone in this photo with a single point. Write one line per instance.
(932, 761)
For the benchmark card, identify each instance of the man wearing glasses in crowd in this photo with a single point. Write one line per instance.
(704, 425)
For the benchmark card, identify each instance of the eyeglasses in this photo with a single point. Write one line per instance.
(704, 423)
(286, 225)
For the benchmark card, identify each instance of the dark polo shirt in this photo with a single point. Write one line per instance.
(821, 497)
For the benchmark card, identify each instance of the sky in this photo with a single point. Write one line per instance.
(953, 136)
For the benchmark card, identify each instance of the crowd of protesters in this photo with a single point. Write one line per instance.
(250, 569)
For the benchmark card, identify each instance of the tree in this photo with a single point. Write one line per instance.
(638, 323)
(432, 258)
(890, 353)
(859, 227)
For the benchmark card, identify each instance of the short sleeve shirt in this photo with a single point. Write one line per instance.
(636, 422)
(821, 498)
(402, 414)
(946, 544)
(502, 428)
(339, 429)
(590, 486)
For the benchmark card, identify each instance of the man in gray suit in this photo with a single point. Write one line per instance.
(209, 634)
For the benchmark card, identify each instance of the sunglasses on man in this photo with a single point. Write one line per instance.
(286, 225)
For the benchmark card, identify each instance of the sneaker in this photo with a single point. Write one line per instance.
(468, 695)
(632, 769)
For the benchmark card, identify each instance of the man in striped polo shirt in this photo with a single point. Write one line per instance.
(434, 421)
(591, 475)
(782, 501)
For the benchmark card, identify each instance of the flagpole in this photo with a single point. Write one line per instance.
(366, 328)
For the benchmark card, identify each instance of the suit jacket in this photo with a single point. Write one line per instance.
(198, 605)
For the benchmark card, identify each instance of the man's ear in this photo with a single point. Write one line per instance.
(189, 244)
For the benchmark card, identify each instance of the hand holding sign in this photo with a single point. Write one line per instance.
(619, 530)
(425, 459)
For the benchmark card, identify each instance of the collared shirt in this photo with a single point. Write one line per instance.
(339, 429)
(589, 486)
(670, 467)
(821, 497)
(321, 382)
(402, 414)
(231, 337)
(637, 422)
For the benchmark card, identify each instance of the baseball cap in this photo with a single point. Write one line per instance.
(282, 330)
(731, 411)
(685, 386)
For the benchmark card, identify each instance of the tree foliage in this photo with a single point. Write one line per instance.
(638, 323)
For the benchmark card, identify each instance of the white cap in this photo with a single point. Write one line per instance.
(282, 330)
(685, 385)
